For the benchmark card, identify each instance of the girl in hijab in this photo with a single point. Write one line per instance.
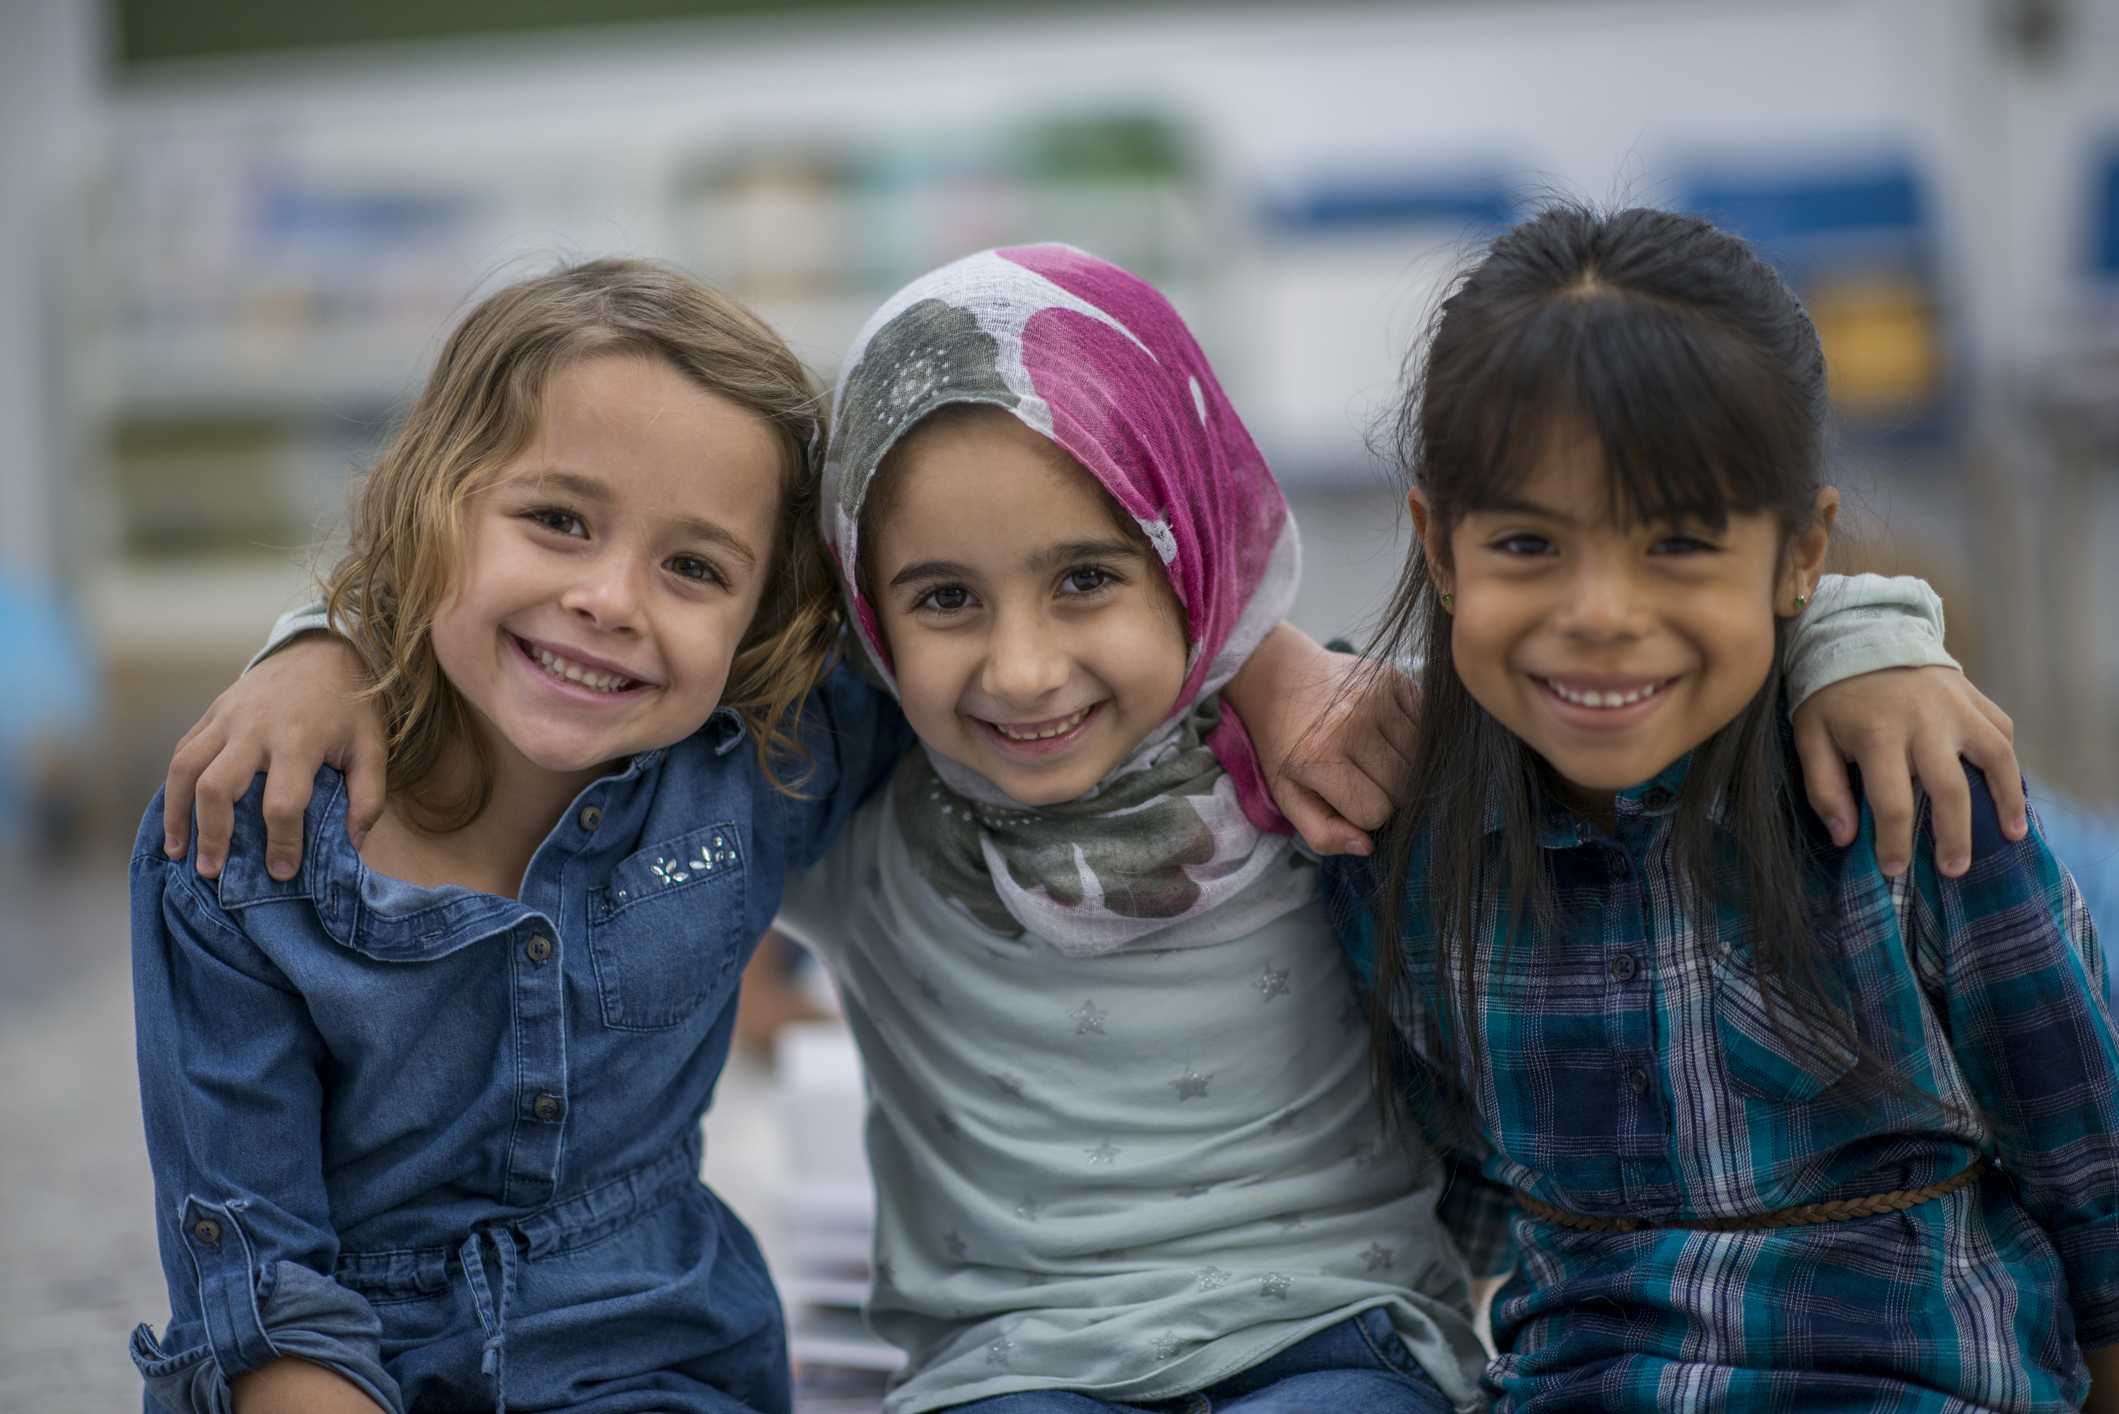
(1125, 1144)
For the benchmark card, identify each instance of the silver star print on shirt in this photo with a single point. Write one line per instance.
(997, 1353)
(1275, 1285)
(1089, 1018)
(1104, 1153)
(1272, 982)
(1192, 1085)
(1289, 1222)
(1029, 1208)
(927, 988)
(1193, 1190)
(1285, 1120)
(1212, 1278)
(1009, 1084)
(953, 1244)
(1167, 1345)
(1377, 1256)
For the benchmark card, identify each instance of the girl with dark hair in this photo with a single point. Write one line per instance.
(1772, 1127)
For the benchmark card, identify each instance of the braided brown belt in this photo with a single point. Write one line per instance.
(1836, 1212)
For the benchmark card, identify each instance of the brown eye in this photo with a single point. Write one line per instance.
(1088, 579)
(948, 598)
(692, 567)
(557, 521)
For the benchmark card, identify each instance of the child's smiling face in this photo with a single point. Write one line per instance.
(1034, 641)
(613, 567)
(1611, 648)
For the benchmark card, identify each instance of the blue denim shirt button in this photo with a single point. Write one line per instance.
(590, 818)
(207, 1231)
(538, 949)
(546, 1107)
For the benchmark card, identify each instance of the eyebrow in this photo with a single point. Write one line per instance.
(1045, 559)
(588, 488)
(1112, 549)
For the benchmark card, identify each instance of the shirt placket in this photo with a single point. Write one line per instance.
(1630, 943)
(541, 1073)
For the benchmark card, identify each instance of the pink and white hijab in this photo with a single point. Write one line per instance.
(1180, 845)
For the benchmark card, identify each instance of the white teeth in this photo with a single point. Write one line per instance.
(1592, 698)
(1059, 728)
(567, 670)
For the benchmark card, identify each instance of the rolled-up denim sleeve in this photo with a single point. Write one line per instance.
(1863, 623)
(232, 1097)
(854, 734)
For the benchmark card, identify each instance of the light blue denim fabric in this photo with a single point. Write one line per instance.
(447, 1143)
(1359, 1366)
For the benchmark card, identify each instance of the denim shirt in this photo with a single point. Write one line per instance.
(447, 1143)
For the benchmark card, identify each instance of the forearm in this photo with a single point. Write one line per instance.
(1863, 623)
(292, 1386)
(1280, 675)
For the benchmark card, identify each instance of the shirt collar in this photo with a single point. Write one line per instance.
(1561, 828)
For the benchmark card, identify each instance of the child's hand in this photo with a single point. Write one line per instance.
(1898, 724)
(1334, 735)
(289, 715)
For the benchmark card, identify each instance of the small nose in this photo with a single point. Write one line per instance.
(1602, 603)
(1023, 659)
(607, 591)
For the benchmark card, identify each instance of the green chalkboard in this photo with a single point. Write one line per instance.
(153, 30)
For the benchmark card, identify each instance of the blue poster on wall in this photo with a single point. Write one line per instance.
(1858, 246)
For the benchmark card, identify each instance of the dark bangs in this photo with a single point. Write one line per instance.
(1690, 399)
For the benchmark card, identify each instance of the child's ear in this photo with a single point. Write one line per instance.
(1430, 540)
(1806, 557)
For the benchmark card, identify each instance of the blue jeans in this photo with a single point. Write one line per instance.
(1356, 1367)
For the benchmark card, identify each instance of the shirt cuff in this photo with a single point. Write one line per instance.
(1863, 623)
(247, 1317)
(310, 618)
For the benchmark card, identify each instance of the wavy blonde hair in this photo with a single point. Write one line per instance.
(479, 409)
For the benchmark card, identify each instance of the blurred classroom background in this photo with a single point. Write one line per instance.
(232, 232)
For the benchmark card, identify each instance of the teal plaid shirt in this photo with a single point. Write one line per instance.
(1631, 1072)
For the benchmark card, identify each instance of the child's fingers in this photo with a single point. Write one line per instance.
(1321, 827)
(1887, 783)
(193, 755)
(221, 785)
(285, 804)
(1825, 779)
(367, 783)
(1994, 753)
(1949, 804)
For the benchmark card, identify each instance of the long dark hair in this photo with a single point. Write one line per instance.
(1700, 377)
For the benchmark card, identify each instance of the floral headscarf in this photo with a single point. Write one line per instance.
(1180, 845)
